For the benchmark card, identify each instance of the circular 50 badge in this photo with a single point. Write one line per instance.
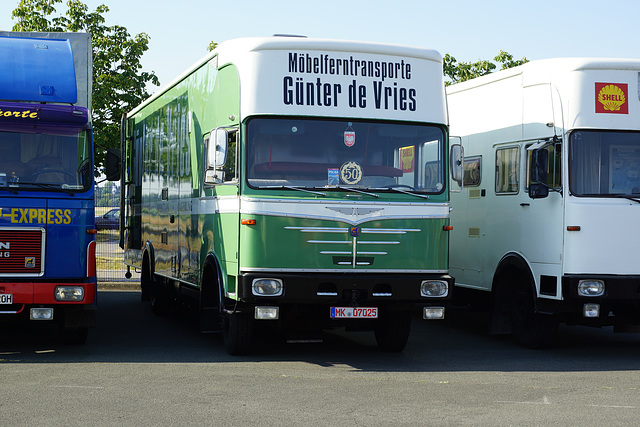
(350, 173)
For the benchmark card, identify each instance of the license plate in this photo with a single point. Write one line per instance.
(6, 298)
(354, 312)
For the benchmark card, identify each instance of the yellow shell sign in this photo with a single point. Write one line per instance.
(611, 98)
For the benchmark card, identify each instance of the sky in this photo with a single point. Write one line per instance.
(180, 31)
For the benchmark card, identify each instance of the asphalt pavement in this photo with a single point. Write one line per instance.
(140, 369)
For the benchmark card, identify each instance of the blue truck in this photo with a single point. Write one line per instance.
(47, 232)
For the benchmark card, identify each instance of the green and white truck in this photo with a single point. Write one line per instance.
(295, 183)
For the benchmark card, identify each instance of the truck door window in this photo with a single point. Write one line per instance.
(230, 170)
(553, 168)
(472, 171)
(508, 170)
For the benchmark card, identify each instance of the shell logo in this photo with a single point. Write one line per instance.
(407, 157)
(612, 98)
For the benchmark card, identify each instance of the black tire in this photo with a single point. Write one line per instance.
(237, 334)
(209, 303)
(160, 303)
(531, 330)
(392, 331)
(145, 279)
(73, 336)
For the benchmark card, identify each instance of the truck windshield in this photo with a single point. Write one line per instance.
(327, 153)
(604, 163)
(45, 162)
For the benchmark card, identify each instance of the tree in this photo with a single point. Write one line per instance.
(118, 82)
(457, 72)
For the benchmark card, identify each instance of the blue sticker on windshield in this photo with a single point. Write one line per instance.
(333, 176)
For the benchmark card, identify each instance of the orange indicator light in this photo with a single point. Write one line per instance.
(248, 221)
(573, 228)
(447, 227)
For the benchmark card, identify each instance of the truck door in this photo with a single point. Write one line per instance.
(542, 217)
(469, 220)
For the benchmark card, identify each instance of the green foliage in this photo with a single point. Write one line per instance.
(107, 194)
(118, 82)
(456, 72)
(507, 61)
(212, 45)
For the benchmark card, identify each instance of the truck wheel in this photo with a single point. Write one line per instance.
(237, 333)
(392, 331)
(531, 330)
(158, 297)
(74, 336)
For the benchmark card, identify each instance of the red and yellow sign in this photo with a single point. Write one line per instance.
(407, 155)
(612, 98)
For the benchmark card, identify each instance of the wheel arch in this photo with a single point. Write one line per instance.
(212, 284)
(512, 269)
(511, 266)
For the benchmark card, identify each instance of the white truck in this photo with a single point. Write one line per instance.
(546, 216)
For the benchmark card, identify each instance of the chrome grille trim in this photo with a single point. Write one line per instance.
(354, 242)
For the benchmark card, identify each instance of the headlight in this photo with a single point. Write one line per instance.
(434, 288)
(267, 287)
(266, 313)
(591, 310)
(433, 313)
(591, 288)
(69, 293)
(41, 314)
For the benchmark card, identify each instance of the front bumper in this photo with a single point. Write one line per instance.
(618, 305)
(359, 289)
(28, 295)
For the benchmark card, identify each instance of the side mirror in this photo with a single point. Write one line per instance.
(112, 164)
(457, 163)
(538, 191)
(217, 148)
(218, 142)
(539, 165)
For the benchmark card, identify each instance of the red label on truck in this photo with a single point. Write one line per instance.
(612, 98)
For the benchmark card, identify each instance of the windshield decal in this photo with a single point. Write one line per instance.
(350, 173)
(349, 137)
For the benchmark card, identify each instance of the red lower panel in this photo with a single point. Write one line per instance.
(44, 293)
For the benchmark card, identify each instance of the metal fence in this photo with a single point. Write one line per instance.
(109, 256)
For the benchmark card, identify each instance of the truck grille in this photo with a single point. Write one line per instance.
(21, 252)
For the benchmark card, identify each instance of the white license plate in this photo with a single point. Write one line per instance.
(6, 298)
(354, 312)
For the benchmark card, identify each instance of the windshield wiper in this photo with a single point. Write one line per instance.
(424, 196)
(355, 190)
(293, 187)
(627, 196)
(54, 187)
(10, 188)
